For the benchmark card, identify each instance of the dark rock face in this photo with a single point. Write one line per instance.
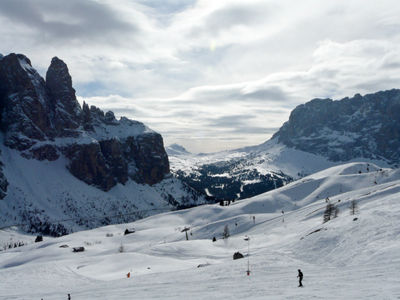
(62, 95)
(49, 152)
(149, 156)
(88, 164)
(25, 111)
(44, 120)
(237, 255)
(367, 126)
(108, 162)
(3, 182)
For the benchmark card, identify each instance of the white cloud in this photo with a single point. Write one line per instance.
(189, 68)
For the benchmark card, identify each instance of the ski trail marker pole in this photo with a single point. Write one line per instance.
(246, 238)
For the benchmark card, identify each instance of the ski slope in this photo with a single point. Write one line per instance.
(340, 259)
(57, 197)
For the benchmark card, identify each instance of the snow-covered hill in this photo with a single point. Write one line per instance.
(43, 196)
(348, 257)
(318, 134)
(176, 150)
(246, 172)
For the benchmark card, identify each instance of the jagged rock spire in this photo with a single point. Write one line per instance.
(24, 105)
(62, 94)
(32, 110)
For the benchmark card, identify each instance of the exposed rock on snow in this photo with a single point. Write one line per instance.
(44, 120)
(62, 95)
(48, 140)
(359, 127)
(237, 255)
(319, 134)
(3, 182)
(24, 105)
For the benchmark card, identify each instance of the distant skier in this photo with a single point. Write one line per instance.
(69, 297)
(254, 219)
(300, 276)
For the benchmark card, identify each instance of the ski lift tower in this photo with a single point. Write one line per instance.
(246, 238)
(185, 230)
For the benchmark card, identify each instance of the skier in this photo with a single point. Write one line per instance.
(300, 276)
(69, 297)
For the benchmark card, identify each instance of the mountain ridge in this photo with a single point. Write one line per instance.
(43, 127)
(302, 146)
(359, 127)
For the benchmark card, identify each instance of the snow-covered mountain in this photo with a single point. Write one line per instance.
(359, 127)
(318, 134)
(176, 149)
(65, 167)
(348, 257)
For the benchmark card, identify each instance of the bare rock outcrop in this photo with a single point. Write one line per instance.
(359, 127)
(62, 95)
(43, 119)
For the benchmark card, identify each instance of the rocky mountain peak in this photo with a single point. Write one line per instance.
(16, 70)
(358, 127)
(60, 161)
(43, 120)
(24, 107)
(62, 95)
(176, 149)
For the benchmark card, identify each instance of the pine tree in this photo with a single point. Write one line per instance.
(335, 212)
(353, 207)
(226, 234)
(328, 212)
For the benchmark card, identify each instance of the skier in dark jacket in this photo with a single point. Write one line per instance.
(300, 276)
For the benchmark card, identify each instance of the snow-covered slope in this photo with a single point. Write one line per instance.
(268, 157)
(44, 196)
(246, 172)
(348, 257)
(175, 150)
(318, 134)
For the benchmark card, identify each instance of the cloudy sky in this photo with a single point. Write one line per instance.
(210, 75)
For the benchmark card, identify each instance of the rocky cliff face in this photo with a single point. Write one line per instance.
(358, 127)
(328, 132)
(44, 120)
(67, 110)
(64, 167)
